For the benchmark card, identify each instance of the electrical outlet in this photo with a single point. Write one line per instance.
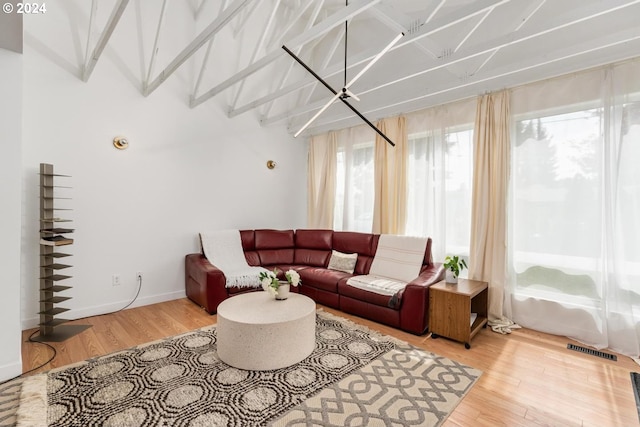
(139, 275)
(115, 280)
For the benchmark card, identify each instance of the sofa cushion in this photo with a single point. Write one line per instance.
(342, 262)
(314, 239)
(248, 246)
(311, 257)
(274, 246)
(322, 278)
(346, 290)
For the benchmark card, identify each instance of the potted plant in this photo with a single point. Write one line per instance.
(453, 266)
(279, 289)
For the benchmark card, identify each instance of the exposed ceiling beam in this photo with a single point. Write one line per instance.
(458, 16)
(243, 19)
(326, 25)
(197, 43)
(473, 30)
(154, 52)
(604, 43)
(560, 22)
(116, 13)
(268, 27)
(205, 60)
(528, 13)
(309, 24)
(285, 90)
(292, 21)
(92, 17)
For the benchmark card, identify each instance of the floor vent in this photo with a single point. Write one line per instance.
(593, 352)
(635, 384)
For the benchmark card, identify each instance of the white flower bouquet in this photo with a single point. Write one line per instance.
(270, 283)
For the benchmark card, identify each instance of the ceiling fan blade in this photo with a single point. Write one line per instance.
(315, 116)
(374, 60)
(336, 95)
(351, 94)
(306, 67)
(386, 138)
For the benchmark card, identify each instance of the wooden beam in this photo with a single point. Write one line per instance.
(205, 60)
(154, 52)
(605, 42)
(116, 13)
(326, 25)
(460, 15)
(258, 47)
(309, 24)
(197, 43)
(579, 15)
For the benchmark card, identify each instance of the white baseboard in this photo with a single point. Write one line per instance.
(11, 370)
(108, 308)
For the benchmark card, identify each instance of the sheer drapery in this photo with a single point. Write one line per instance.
(488, 257)
(390, 202)
(321, 182)
(575, 236)
(353, 208)
(439, 170)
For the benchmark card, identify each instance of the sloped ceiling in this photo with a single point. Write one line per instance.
(452, 49)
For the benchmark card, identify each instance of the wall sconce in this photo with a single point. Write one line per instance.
(271, 164)
(120, 142)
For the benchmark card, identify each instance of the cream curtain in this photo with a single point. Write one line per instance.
(390, 206)
(321, 183)
(488, 251)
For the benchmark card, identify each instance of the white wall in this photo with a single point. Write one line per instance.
(186, 170)
(10, 220)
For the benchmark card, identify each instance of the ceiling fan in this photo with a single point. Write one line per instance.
(345, 93)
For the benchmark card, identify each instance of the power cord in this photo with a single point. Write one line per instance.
(55, 353)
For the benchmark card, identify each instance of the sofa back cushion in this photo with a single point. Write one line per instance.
(274, 246)
(248, 239)
(313, 247)
(364, 244)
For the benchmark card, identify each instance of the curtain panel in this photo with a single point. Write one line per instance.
(575, 237)
(488, 252)
(390, 166)
(321, 181)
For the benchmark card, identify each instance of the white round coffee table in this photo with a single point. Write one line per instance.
(256, 332)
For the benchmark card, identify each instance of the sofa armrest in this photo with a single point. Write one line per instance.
(414, 299)
(205, 283)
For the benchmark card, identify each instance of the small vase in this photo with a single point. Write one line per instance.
(283, 291)
(450, 277)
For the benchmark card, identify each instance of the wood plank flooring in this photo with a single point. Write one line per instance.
(529, 378)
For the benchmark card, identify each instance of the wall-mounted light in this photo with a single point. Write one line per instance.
(271, 164)
(120, 142)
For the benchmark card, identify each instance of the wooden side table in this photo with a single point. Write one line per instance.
(450, 308)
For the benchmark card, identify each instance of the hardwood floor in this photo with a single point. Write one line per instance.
(529, 378)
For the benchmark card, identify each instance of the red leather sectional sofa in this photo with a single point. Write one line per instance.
(308, 252)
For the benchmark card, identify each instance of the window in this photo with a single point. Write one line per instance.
(353, 210)
(440, 172)
(557, 200)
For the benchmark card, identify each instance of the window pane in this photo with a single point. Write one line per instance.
(440, 170)
(557, 203)
(354, 188)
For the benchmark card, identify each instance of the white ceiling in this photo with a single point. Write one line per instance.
(452, 49)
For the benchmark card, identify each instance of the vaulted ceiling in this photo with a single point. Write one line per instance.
(452, 49)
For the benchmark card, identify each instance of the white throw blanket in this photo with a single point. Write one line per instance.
(224, 250)
(398, 260)
(398, 257)
(376, 284)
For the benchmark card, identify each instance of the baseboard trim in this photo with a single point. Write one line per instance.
(10, 370)
(96, 310)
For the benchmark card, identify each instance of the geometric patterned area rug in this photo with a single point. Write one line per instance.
(354, 376)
